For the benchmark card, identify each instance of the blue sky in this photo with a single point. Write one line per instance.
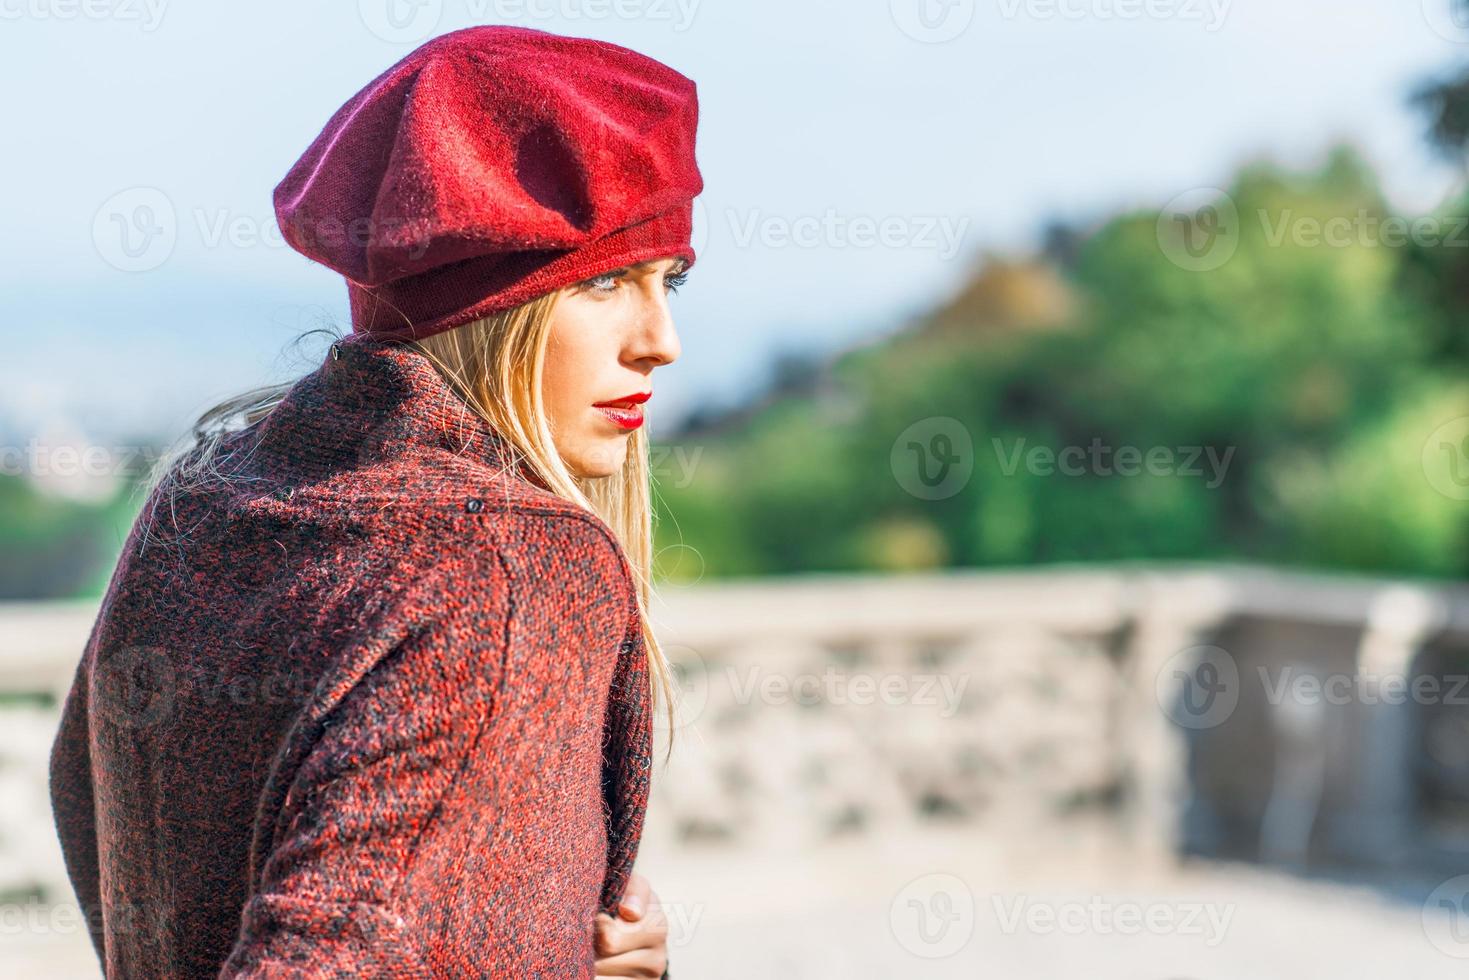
(856, 162)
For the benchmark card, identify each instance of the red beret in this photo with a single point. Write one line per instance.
(491, 165)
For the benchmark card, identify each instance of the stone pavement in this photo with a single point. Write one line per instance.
(1066, 903)
(958, 904)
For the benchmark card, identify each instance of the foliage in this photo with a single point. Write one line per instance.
(1312, 370)
(1283, 401)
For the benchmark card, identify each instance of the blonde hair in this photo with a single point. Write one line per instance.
(495, 364)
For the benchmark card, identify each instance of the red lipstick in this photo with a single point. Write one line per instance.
(625, 412)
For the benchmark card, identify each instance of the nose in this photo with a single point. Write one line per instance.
(655, 341)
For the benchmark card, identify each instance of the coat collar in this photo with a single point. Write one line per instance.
(375, 399)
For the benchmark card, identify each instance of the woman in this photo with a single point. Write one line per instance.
(369, 693)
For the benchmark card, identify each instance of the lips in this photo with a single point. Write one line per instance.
(624, 412)
(623, 418)
(626, 401)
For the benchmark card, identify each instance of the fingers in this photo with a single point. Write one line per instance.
(648, 964)
(614, 937)
(637, 897)
(635, 942)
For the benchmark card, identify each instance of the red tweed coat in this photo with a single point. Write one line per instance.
(378, 709)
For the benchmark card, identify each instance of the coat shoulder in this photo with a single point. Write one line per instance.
(487, 510)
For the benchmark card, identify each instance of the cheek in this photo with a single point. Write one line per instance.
(576, 356)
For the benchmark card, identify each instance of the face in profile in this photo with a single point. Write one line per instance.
(607, 335)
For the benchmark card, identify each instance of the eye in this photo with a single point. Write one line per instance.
(605, 283)
(608, 282)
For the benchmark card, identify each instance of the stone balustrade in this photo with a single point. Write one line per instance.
(1174, 702)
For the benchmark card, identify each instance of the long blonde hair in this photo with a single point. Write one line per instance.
(495, 364)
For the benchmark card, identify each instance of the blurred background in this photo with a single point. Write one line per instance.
(1063, 493)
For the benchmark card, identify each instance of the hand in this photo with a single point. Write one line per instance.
(635, 943)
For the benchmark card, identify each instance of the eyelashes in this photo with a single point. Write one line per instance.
(595, 284)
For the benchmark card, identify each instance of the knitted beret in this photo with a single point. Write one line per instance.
(491, 165)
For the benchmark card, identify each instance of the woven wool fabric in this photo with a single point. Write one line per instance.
(378, 709)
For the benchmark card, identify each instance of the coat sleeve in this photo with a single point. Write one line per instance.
(73, 808)
(380, 791)
(326, 899)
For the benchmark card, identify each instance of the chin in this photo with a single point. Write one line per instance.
(601, 462)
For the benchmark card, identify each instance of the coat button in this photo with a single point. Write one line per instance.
(474, 505)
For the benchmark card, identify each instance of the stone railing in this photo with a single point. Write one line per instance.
(1228, 711)
(1176, 703)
